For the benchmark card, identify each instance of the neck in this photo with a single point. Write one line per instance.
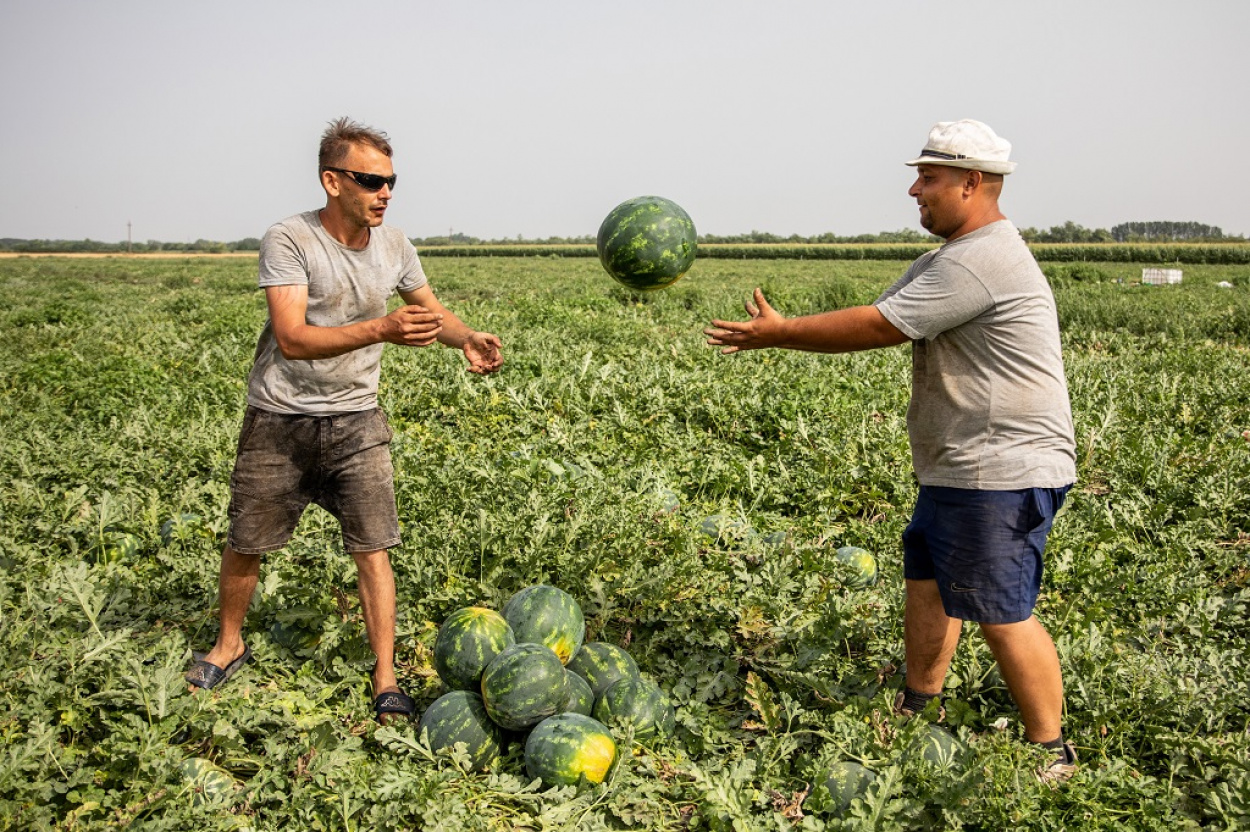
(336, 225)
(977, 221)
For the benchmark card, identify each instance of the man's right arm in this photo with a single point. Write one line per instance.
(410, 326)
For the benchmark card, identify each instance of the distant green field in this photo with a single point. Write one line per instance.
(121, 392)
(1144, 253)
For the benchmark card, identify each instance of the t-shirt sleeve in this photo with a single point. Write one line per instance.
(941, 297)
(281, 261)
(411, 273)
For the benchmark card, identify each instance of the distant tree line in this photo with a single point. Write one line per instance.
(98, 247)
(1070, 232)
(1132, 232)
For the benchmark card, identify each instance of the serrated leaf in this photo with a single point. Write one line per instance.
(761, 699)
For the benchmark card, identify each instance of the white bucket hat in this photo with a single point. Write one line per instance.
(966, 144)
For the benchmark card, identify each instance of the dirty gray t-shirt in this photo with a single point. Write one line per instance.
(344, 286)
(989, 406)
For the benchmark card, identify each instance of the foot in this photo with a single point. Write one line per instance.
(393, 706)
(900, 709)
(1061, 768)
(210, 670)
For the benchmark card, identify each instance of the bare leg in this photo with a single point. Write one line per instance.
(1027, 658)
(235, 584)
(377, 602)
(930, 637)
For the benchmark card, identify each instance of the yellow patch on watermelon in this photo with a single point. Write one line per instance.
(595, 756)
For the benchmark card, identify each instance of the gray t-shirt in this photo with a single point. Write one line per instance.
(989, 405)
(344, 286)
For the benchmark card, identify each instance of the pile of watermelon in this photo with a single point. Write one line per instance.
(526, 673)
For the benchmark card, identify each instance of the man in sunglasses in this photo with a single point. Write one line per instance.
(989, 422)
(313, 431)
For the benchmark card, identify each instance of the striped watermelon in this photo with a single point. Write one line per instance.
(116, 547)
(638, 702)
(864, 564)
(524, 685)
(567, 748)
(647, 243)
(208, 782)
(466, 643)
(460, 716)
(937, 745)
(543, 614)
(726, 532)
(601, 664)
(581, 699)
(847, 780)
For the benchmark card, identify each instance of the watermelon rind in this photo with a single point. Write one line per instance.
(846, 781)
(580, 699)
(937, 746)
(726, 532)
(636, 702)
(601, 664)
(568, 749)
(208, 782)
(459, 716)
(863, 564)
(545, 614)
(118, 547)
(524, 685)
(647, 243)
(468, 640)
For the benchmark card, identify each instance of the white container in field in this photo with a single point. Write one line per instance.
(1160, 277)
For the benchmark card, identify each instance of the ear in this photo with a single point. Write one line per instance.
(330, 182)
(972, 181)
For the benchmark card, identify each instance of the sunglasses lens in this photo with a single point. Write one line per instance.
(374, 182)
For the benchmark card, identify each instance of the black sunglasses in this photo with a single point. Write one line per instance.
(368, 181)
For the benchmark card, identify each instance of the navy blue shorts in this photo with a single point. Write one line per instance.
(984, 549)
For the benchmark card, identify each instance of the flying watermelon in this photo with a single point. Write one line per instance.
(647, 243)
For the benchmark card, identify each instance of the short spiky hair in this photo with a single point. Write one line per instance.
(338, 138)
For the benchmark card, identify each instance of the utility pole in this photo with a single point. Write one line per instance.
(128, 236)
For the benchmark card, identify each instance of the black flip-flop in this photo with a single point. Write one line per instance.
(394, 702)
(207, 675)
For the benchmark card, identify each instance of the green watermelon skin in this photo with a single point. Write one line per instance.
(726, 532)
(939, 746)
(567, 748)
(847, 780)
(647, 243)
(524, 685)
(208, 782)
(581, 699)
(467, 642)
(460, 716)
(862, 561)
(639, 702)
(601, 664)
(544, 614)
(118, 547)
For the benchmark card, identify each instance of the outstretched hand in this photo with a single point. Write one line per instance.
(482, 351)
(761, 331)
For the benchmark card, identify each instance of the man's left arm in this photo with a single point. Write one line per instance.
(842, 330)
(481, 349)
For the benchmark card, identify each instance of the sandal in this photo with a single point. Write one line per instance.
(208, 676)
(393, 702)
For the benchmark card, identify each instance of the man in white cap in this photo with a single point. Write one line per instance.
(989, 422)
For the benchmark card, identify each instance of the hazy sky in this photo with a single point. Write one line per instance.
(536, 118)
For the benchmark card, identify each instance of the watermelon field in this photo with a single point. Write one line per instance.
(591, 462)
